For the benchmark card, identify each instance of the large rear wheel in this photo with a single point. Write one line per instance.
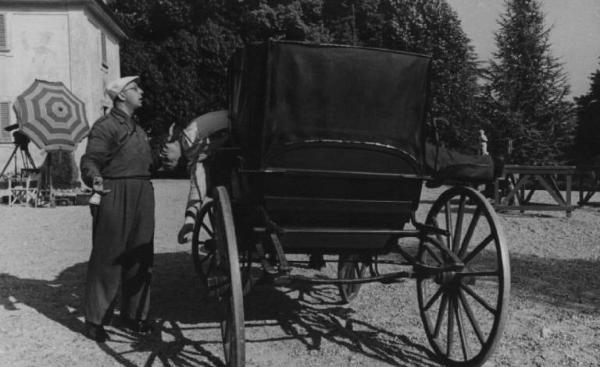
(230, 296)
(464, 310)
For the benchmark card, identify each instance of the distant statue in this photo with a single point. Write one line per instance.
(483, 150)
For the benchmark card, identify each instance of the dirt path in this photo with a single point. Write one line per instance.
(555, 307)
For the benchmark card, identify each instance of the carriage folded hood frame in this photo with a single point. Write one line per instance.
(288, 92)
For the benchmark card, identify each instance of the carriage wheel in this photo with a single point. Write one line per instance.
(350, 267)
(203, 240)
(231, 298)
(464, 311)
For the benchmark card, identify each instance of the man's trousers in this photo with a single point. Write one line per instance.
(122, 251)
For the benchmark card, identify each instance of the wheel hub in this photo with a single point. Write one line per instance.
(447, 279)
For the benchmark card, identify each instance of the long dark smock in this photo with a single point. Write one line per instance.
(123, 224)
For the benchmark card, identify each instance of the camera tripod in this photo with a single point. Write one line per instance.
(20, 151)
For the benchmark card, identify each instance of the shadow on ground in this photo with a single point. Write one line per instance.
(308, 315)
(181, 307)
(572, 283)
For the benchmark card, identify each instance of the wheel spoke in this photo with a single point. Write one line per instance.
(434, 255)
(478, 249)
(211, 217)
(471, 316)
(450, 334)
(470, 231)
(461, 331)
(208, 230)
(440, 316)
(459, 222)
(448, 215)
(436, 224)
(434, 298)
(356, 270)
(478, 298)
(363, 267)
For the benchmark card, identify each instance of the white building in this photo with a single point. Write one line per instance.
(72, 41)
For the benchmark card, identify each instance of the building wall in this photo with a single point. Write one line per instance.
(90, 74)
(57, 44)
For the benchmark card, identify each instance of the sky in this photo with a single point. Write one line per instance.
(575, 33)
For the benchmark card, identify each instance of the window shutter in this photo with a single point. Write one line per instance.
(4, 120)
(3, 38)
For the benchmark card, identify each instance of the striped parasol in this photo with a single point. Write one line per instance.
(51, 116)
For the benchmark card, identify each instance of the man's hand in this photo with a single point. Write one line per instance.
(98, 185)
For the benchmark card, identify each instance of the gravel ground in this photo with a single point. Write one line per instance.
(554, 311)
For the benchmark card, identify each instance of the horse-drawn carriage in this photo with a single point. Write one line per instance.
(326, 156)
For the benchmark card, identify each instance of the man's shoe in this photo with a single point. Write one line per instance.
(95, 332)
(138, 326)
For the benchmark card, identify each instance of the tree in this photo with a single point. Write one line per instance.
(181, 48)
(298, 20)
(423, 26)
(527, 88)
(586, 147)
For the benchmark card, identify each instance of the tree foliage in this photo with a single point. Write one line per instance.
(527, 89)
(181, 48)
(587, 149)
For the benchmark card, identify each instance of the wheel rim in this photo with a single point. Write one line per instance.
(230, 296)
(227, 331)
(464, 311)
(350, 267)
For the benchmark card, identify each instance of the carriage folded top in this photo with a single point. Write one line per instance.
(286, 93)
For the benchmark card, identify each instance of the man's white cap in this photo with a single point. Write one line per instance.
(116, 86)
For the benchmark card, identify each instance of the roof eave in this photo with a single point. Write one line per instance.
(96, 7)
(106, 15)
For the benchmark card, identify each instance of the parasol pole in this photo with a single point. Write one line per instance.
(51, 186)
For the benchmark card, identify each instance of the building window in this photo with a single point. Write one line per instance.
(103, 49)
(3, 33)
(105, 103)
(4, 121)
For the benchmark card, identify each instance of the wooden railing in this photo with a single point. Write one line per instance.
(521, 183)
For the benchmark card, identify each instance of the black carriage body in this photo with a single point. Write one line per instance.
(326, 157)
(331, 141)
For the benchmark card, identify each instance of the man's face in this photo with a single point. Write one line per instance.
(133, 95)
(170, 154)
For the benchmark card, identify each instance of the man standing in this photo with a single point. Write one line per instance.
(117, 165)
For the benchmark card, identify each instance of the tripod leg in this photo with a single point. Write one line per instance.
(9, 160)
(28, 158)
